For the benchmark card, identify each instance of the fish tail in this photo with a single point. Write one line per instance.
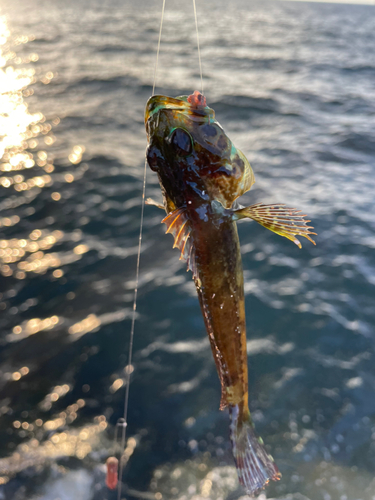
(255, 467)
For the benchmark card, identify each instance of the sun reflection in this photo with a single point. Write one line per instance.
(14, 116)
(28, 165)
(57, 392)
(76, 155)
(86, 325)
(33, 326)
(9, 221)
(28, 255)
(20, 184)
(19, 128)
(25, 163)
(117, 384)
(61, 443)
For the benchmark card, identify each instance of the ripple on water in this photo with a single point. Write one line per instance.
(292, 85)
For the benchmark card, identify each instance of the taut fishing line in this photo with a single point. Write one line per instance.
(199, 50)
(122, 422)
(157, 53)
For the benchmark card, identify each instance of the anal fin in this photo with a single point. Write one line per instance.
(220, 371)
(223, 397)
(214, 348)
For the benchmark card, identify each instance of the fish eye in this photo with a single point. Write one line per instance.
(152, 157)
(181, 141)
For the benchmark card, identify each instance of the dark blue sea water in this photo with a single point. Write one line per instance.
(293, 85)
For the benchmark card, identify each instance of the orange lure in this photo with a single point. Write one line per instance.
(111, 479)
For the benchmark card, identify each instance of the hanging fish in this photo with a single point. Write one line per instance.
(201, 175)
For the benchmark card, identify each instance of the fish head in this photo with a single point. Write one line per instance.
(191, 153)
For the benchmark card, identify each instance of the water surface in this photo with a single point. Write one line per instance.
(293, 86)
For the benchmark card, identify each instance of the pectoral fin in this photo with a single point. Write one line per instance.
(150, 201)
(177, 224)
(287, 222)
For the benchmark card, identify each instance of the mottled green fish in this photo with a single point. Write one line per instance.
(201, 174)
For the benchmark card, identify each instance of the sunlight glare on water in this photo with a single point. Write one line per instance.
(27, 168)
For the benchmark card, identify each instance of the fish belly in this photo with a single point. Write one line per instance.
(221, 293)
(220, 289)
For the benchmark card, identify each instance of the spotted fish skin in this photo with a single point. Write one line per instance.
(201, 174)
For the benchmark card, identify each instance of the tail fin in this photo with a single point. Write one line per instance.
(254, 466)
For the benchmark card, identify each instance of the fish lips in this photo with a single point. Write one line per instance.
(158, 103)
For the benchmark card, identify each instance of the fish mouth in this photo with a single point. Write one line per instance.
(180, 104)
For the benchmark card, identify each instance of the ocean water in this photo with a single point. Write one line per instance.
(293, 85)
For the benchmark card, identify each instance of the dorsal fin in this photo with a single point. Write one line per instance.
(178, 225)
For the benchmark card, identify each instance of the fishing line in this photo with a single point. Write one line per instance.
(157, 53)
(199, 50)
(129, 368)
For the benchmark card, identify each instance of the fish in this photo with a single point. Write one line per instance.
(202, 175)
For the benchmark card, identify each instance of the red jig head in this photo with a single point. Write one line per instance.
(111, 479)
(197, 99)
